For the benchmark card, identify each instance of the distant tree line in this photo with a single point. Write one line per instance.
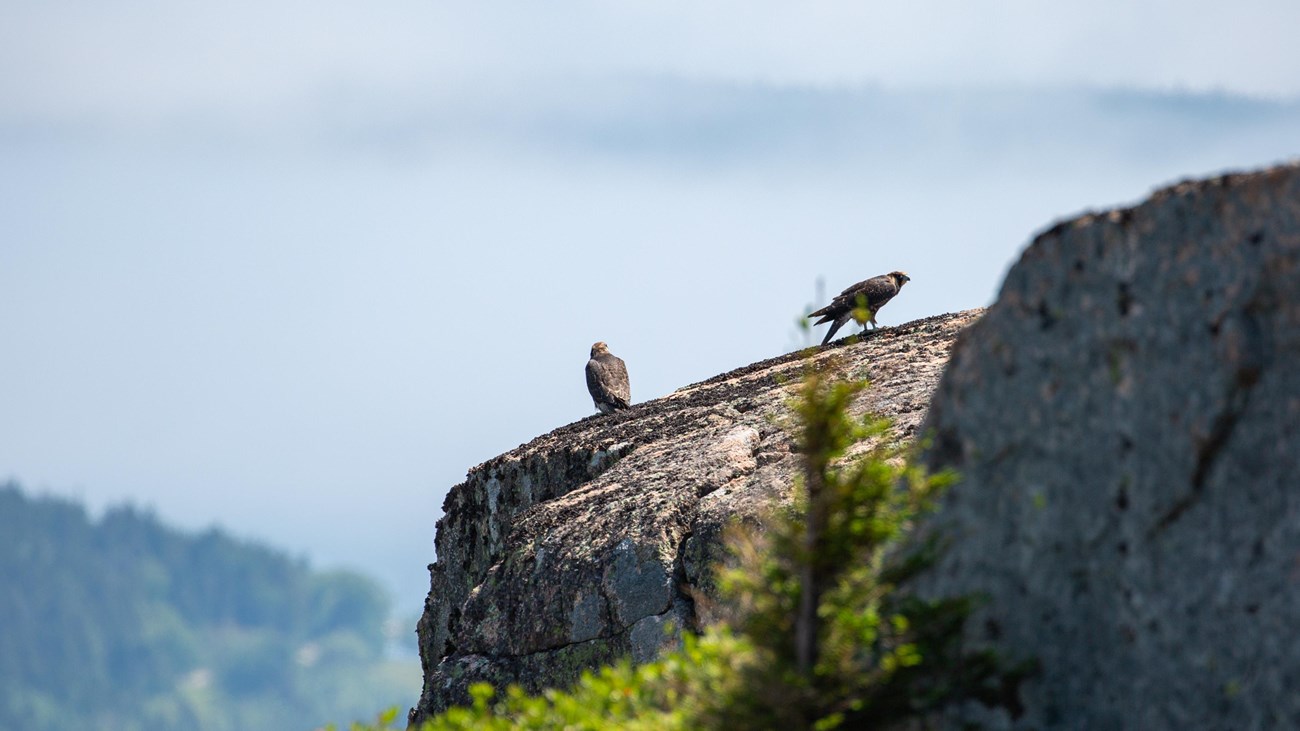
(125, 623)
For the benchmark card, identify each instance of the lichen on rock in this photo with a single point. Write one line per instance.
(1126, 422)
(595, 541)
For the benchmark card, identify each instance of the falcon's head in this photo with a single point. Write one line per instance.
(599, 348)
(900, 278)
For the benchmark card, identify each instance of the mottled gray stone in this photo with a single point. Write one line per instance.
(637, 587)
(1126, 421)
(582, 545)
(588, 616)
(651, 635)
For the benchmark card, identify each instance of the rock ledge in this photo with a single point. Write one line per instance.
(581, 545)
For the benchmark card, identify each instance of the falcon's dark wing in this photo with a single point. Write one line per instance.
(607, 381)
(877, 291)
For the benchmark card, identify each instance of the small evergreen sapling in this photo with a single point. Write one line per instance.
(818, 593)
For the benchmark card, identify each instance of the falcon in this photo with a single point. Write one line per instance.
(607, 380)
(873, 293)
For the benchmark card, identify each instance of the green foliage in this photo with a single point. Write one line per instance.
(861, 312)
(822, 636)
(668, 694)
(665, 694)
(826, 572)
(126, 624)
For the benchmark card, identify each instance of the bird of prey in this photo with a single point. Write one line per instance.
(873, 294)
(607, 380)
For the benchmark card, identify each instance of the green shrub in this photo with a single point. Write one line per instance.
(835, 641)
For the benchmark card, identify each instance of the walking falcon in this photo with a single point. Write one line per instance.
(872, 293)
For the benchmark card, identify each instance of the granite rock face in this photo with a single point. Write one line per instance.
(1126, 419)
(584, 544)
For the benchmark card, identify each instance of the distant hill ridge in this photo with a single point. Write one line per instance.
(125, 623)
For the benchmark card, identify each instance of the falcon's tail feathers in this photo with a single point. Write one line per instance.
(822, 313)
(839, 323)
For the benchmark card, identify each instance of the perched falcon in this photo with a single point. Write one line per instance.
(607, 380)
(874, 292)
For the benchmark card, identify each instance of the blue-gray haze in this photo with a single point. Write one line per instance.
(293, 268)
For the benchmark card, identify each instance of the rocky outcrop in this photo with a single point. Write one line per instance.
(586, 543)
(1126, 420)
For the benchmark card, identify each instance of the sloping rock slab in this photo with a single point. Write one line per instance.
(587, 543)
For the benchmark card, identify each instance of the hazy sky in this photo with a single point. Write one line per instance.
(293, 268)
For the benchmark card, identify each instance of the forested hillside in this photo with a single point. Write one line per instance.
(124, 623)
